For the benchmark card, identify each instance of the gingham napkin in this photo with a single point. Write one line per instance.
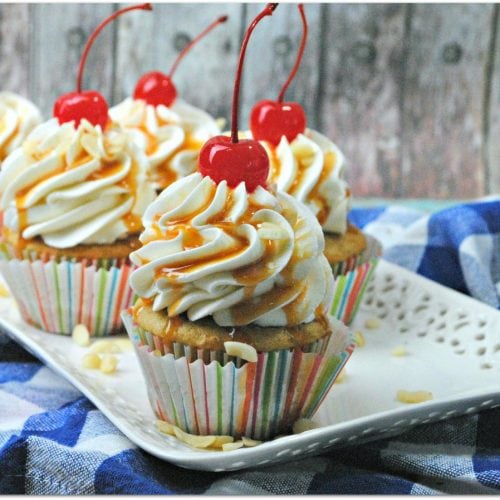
(54, 441)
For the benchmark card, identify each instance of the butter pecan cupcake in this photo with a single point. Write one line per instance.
(72, 199)
(219, 269)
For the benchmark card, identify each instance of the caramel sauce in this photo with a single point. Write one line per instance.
(133, 223)
(290, 309)
(8, 140)
(176, 269)
(315, 195)
(274, 165)
(173, 323)
(253, 274)
(247, 312)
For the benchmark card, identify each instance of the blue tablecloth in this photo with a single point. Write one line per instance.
(54, 441)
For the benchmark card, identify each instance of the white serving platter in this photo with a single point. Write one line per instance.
(453, 350)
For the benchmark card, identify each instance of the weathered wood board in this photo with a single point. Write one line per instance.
(271, 54)
(14, 48)
(409, 92)
(492, 113)
(152, 41)
(443, 101)
(59, 33)
(360, 103)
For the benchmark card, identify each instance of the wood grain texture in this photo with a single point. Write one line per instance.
(443, 103)
(59, 33)
(271, 54)
(360, 107)
(205, 77)
(492, 113)
(14, 48)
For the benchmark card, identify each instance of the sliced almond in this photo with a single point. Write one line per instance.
(413, 396)
(232, 446)
(109, 362)
(241, 350)
(124, 344)
(250, 443)
(399, 352)
(372, 323)
(105, 346)
(81, 335)
(304, 424)
(165, 427)
(341, 376)
(91, 361)
(221, 440)
(359, 338)
(192, 440)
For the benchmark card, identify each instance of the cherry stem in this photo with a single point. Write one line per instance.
(268, 10)
(93, 36)
(193, 42)
(292, 74)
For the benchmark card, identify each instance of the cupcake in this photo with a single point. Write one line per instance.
(72, 199)
(169, 130)
(18, 117)
(170, 136)
(221, 267)
(309, 167)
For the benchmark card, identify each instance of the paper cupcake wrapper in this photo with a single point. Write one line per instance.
(351, 278)
(207, 392)
(56, 295)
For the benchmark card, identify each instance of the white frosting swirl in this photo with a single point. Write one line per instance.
(171, 137)
(241, 258)
(311, 169)
(75, 186)
(18, 117)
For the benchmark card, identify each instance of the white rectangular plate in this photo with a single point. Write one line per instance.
(453, 350)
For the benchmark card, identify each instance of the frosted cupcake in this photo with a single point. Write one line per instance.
(310, 167)
(219, 265)
(73, 195)
(231, 327)
(170, 136)
(72, 201)
(170, 131)
(18, 117)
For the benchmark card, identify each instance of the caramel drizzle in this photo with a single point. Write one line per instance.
(8, 140)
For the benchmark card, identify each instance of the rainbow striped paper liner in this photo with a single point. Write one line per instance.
(208, 392)
(57, 294)
(350, 280)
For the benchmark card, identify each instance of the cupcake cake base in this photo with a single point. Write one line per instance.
(205, 391)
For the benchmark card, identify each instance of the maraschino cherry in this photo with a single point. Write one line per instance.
(270, 120)
(228, 158)
(158, 88)
(89, 104)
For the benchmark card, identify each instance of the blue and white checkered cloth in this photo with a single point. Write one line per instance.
(54, 441)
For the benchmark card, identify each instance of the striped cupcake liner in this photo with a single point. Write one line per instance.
(57, 294)
(351, 278)
(207, 392)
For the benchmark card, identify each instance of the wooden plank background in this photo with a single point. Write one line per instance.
(410, 92)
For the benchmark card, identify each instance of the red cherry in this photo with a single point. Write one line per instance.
(75, 106)
(243, 161)
(90, 104)
(228, 158)
(155, 88)
(270, 120)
